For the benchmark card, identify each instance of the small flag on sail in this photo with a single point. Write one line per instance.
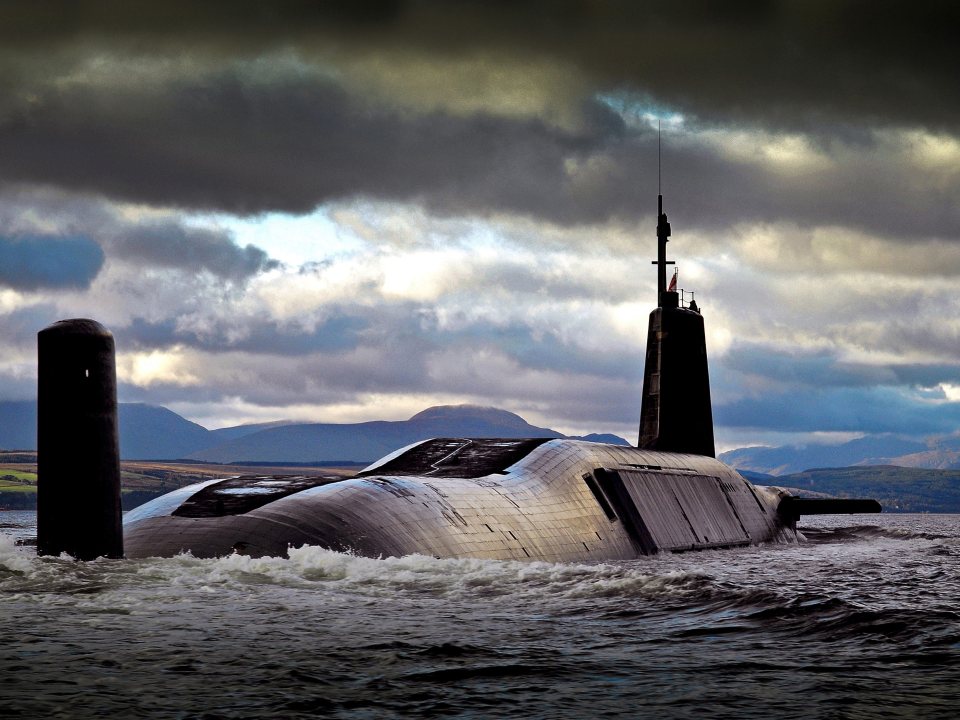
(673, 283)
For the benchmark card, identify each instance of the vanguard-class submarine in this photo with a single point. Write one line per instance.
(539, 499)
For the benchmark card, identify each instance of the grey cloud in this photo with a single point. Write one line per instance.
(235, 143)
(88, 226)
(815, 392)
(19, 328)
(821, 369)
(172, 244)
(318, 378)
(399, 334)
(34, 262)
(789, 62)
(536, 348)
(815, 370)
(232, 133)
(869, 410)
(928, 335)
(338, 333)
(389, 349)
(238, 144)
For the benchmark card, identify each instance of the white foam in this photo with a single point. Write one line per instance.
(13, 558)
(318, 568)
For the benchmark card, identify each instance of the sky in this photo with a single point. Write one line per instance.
(347, 211)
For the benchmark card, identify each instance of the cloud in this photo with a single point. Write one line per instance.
(69, 231)
(19, 327)
(235, 142)
(862, 410)
(171, 244)
(774, 61)
(339, 332)
(822, 369)
(34, 262)
(481, 181)
(287, 110)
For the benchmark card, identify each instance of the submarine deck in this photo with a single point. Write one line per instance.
(555, 500)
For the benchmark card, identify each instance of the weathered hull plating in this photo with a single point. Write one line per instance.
(558, 500)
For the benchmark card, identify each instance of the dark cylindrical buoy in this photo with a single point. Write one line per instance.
(78, 453)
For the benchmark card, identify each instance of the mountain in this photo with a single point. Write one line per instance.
(147, 432)
(601, 438)
(18, 425)
(869, 450)
(758, 478)
(238, 431)
(151, 432)
(368, 441)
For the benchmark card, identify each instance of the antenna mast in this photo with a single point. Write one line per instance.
(663, 234)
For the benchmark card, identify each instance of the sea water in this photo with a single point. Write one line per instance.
(860, 621)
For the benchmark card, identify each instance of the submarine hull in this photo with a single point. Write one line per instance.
(552, 500)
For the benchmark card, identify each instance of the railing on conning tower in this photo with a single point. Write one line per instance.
(688, 301)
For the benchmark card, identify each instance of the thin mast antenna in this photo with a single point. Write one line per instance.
(663, 233)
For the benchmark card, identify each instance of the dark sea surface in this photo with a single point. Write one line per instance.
(861, 621)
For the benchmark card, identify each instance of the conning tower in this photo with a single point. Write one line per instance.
(675, 414)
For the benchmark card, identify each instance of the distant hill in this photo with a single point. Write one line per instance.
(147, 432)
(18, 425)
(758, 478)
(238, 431)
(870, 450)
(601, 438)
(898, 489)
(364, 442)
(151, 432)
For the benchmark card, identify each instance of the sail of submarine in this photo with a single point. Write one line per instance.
(555, 500)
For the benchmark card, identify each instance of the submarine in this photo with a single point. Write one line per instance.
(556, 500)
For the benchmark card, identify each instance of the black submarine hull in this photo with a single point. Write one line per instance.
(551, 500)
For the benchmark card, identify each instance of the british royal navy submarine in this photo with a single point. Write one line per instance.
(555, 500)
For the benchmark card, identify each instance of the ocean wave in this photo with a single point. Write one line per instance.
(12, 559)
(424, 575)
(870, 532)
(312, 567)
(756, 586)
(816, 616)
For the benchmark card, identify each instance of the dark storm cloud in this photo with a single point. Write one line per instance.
(229, 142)
(238, 144)
(171, 244)
(232, 128)
(790, 62)
(34, 262)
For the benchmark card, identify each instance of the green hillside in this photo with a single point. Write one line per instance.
(898, 489)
